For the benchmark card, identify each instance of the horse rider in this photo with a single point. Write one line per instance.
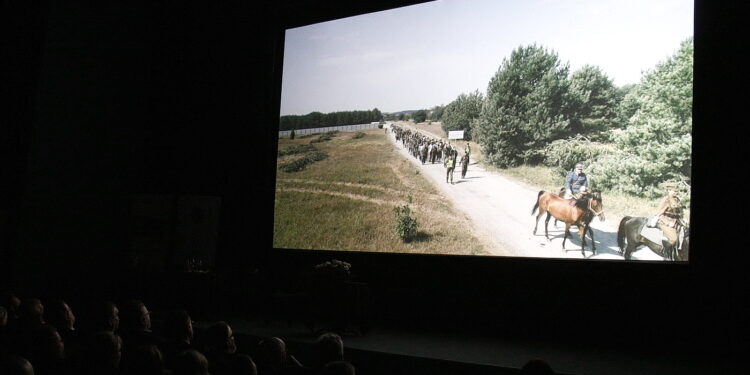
(576, 184)
(669, 215)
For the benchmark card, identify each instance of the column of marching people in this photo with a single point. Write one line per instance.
(429, 150)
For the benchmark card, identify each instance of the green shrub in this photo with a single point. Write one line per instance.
(327, 136)
(297, 149)
(358, 135)
(563, 154)
(406, 226)
(300, 164)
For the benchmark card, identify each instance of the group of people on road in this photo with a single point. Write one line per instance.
(423, 148)
(668, 218)
(430, 151)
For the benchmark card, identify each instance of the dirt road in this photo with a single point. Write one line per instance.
(500, 210)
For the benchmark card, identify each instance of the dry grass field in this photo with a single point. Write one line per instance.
(347, 201)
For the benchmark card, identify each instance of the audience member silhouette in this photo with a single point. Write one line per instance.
(47, 351)
(177, 331)
(12, 364)
(101, 354)
(102, 316)
(4, 331)
(11, 302)
(30, 318)
(31, 314)
(191, 362)
(272, 357)
(338, 368)
(135, 326)
(219, 346)
(59, 314)
(329, 347)
(536, 366)
(242, 364)
(143, 360)
(3, 317)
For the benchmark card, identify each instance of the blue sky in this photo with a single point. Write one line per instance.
(424, 55)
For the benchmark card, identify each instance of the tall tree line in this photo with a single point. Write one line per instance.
(535, 111)
(319, 120)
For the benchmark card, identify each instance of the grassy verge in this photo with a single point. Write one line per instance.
(346, 201)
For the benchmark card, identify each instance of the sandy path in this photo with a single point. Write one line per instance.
(500, 210)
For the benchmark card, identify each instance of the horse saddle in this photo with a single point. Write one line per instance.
(654, 235)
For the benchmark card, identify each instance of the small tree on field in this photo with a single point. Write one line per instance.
(406, 226)
(420, 116)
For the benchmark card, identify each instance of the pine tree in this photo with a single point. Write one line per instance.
(528, 105)
(597, 101)
(656, 145)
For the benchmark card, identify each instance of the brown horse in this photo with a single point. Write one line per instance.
(579, 212)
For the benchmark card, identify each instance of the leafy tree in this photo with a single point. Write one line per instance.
(460, 113)
(597, 102)
(528, 105)
(436, 113)
(420, 116)
(656, 146)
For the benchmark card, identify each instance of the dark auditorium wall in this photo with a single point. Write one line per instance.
(165, 98)
(118, 99)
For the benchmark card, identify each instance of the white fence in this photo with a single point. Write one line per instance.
(343, 128)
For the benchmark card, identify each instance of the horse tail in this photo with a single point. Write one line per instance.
(621, 233)
(537, 201)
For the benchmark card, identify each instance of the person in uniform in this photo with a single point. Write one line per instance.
(576, 183)
(464, 164)
(451, 164)
(669, 215)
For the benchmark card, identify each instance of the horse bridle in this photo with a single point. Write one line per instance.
(591, 208)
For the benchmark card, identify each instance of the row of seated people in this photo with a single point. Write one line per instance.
(44, 338)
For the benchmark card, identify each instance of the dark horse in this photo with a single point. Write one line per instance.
(629, 238)
(579, 212)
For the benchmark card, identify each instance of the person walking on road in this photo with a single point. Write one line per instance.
(451, 164)
(464, 164)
